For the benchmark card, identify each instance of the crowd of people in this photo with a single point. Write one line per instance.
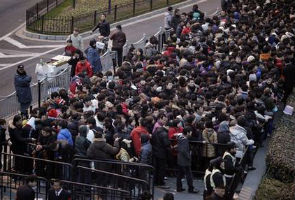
(217, 81)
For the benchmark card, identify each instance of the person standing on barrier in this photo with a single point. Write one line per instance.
(23, 91)
(184, 161)
(119, 39)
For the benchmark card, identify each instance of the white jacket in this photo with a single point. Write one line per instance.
(167, 20)
(238, 135)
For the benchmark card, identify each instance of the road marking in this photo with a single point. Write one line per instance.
(15, 43)
(3, 65)
(22, 46)
(19, 55)
(8, 34)
(2, 54)
(25, 60)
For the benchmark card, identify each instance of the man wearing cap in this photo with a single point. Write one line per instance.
(23, 91)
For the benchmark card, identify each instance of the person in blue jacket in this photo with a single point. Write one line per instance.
(23, 91)
(64, 134)
(93, 56)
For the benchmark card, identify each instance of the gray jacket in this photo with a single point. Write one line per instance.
(183, 152)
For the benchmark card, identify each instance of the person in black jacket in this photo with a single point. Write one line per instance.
(57, 192)
(25, 192)
(19, 142)
(160, 149)
(184, 161)
(103, 26)
(46, 138)
(74, 60)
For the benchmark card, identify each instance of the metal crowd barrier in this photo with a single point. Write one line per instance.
(10, 182)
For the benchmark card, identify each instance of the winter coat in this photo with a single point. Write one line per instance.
(76, 41)
(146, 153)
(167, 20)
(238, 135)
(161, 143)
(135, 135)
(94, 59)
(175, 21)
(183, 149)
(22, 88)
(100, 150)
(223, 136)
(65, 134)
(18, 139)
(104, 28)
(86, 68)
(209, 136)
(119, 39)
(81, 146)
(25, 192)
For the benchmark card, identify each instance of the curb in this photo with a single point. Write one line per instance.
(43, 37)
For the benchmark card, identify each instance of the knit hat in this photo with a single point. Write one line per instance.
(52, 113)
(250, 59)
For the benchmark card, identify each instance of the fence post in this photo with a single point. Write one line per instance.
(39, 94)
(115, 13)
(37, 10)
(94, 17)
(167, 1)
(72, 24)
(74, 4)
(55, 3)
(42, 23)
(110, 6)
(151, 4)
(47, 5)
(134, 7)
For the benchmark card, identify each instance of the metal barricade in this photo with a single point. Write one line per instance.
(107, 60)
(141, 43)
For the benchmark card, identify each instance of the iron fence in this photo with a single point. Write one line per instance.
(37, 19)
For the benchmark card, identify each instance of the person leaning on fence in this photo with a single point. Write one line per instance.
(26, 192)
(119, 39)
(23, 91)
(76, 39)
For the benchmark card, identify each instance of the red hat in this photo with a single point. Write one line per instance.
(52, 113)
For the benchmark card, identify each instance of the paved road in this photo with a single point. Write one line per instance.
(12, 14)
(15, 50)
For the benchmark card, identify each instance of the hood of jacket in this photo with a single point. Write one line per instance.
(237, 130)
(223, 127)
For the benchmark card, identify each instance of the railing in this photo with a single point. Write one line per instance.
(106, 173)
(39, 22)
(11, 181)
(134, 170)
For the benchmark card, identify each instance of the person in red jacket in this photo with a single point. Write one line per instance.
(136, 135)
(84, 67)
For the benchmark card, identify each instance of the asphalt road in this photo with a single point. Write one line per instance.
(15, 50)
(13, 13)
